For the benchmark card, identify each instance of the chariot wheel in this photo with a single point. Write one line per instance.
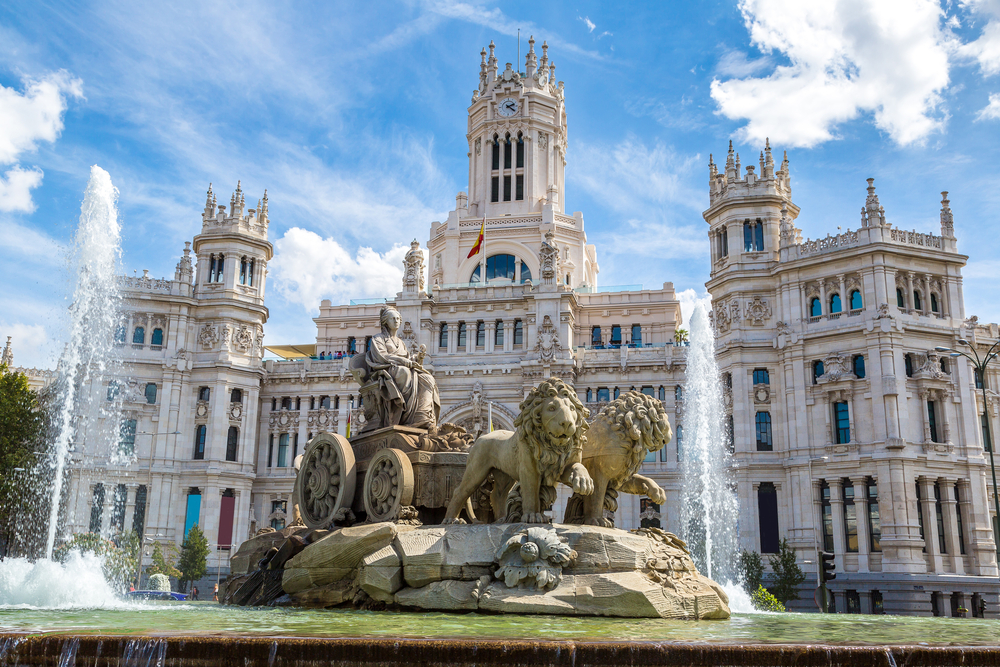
(388, 485)
(326, 479)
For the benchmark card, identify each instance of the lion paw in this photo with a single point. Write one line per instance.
(535, 517)
(657, 495)
(581, 483)
(457, 521)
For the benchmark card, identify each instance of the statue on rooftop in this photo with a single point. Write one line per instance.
(391, 377)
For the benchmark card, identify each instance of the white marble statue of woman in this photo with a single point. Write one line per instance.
(407, 394)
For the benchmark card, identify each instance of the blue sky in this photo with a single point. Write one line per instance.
(352, 115)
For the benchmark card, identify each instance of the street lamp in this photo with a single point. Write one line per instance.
(979, 364)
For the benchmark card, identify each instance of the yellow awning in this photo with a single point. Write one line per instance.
(293, 351)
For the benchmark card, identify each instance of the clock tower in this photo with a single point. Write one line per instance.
(517, 137)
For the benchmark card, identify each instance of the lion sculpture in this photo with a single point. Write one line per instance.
(545, 448)
(617, 442)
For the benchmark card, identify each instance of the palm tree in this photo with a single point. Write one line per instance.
(681, 336)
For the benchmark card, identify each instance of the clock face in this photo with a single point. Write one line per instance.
(507, 107)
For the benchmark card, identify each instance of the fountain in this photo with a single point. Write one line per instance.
(93, 318)
(709, 512)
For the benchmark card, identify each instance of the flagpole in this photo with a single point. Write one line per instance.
(482, 259)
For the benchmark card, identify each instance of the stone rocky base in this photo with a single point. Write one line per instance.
(643, 574)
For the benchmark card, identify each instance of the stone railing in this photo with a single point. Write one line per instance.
(499, 222)
(144, 283)
(810, 247)
(915, 238)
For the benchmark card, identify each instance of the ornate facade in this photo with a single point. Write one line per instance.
(851, 433)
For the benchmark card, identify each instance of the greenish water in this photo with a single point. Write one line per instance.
(207, 618)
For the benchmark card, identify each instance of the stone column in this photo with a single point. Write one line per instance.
(452, 337)
(470, 336)
(943, 400)
(861, 512)
(909, 292)
(491, 330)
(508, 335)
(927, 296)
(826, 405)
(851, 416)
(866, 603)
(930, 522)
(824, 306)
(837, 511)
(923, 394)
(945, 297)
(130, 492)
(949, 509)
(844, 301)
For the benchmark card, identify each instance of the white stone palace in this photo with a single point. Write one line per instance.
(850, 432)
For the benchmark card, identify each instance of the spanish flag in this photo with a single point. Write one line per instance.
(479, 241)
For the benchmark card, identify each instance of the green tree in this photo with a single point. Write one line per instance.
(680, 335)
(161, 564)
(787, 574)
(750, 567)
(119, 555)
(762, 600)
(193, 562)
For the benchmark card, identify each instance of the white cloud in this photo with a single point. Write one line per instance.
(992, 110)
(587, 22)
(36, 115)
(736, 64)
(25, 120)
(308, 268)
(846, 57)
(986, 49)
(689, 298)
(29, 342)
(15, 189)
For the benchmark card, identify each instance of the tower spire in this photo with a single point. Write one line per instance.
(210, 203)
(530, 61)
(947, 220)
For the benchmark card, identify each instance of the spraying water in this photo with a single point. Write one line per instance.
(47, 584)
(93, 318)
(710, 511)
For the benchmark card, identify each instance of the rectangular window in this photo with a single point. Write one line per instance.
(979, 379)
(850, 517)
(495, 189)
(853, 602)
(97, 508)
(747, 236)
(283, 450)
(192, 513)
(877, 605)
(761, 376)
(616, 334)
(461, 335)
(270, 449)
(595, 336)
(506, 154)
(520, 153)
(204, 393)
(498, 334)
(725, 242)
(920, 517)
(649, 391)
(139, 513)
(827, 511)
(767, 505)
(763, 429)
(480, 334)
(200, 433)
(730, 434)
(118, 508)
(518, 332)
(931, 421)
(636, 335)
(506, 187)
(939, 516)
(295, 446)
(603, 395)
(443, 337)
(496, 155)
(758, 236)
(519, 187)
(958, 516)
(874, 519)
(151, 393)
(984, 423)
(126, 437)
(841, 423)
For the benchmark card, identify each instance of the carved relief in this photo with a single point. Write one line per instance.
(235, 412)
(547, 344)
(548, 259)
(543, 140)
(758, 311)
(479, 145)
(413, 268)
(208, 336)
(243, 338)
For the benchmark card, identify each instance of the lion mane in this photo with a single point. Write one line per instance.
(551, 456)
(643, 420)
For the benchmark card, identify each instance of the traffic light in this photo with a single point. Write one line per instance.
(826, 568)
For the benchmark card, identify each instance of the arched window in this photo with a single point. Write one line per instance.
(501, 266)
(680, 444)
(236, 396)
(616, 335)
(520, 150)
(916, 300)
(976, 374)
(220, 263)
(495, 180)
(934, 302)
(151, 393)
(835, 305)
(157, 337)
(944, 365)
(603, 395)
(856, 303)
(443, 336)
(525, 273)
(243, 270)
(496, 152)
(518, 332)
(617, 392)
(815, 307)
(636, 335)
(590, 395)
(679, 393)
(200, 433)
(908, 364)
(519, 178)
(139, 335)
(352, 345)
(498, 334)
(211, 268)
(818, 371)
(900, 301)
(506, 165)
(120, 334)
(858, 366)
(595, 336)
(480, 334)
(461, 335)
(763, 430)
(324, 402)
(250, 273)
(663, 393)
(232, 443)
(336, 402)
